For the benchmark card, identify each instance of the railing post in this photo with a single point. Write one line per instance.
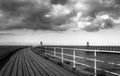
(45, 51)
(95, 64)
(62, 55)
(74, 59)
(40, 50)
(54, 51)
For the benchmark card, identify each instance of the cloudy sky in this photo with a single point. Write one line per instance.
(60, 22)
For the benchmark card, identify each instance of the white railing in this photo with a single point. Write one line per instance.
(74, 56)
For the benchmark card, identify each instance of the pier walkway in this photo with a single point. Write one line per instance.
(26, 63)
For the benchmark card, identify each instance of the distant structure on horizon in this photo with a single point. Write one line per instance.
(87, 43)
(41, 43)
(93, 47)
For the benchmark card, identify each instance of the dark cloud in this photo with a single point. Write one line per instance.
(33, 13)
(59, 21)
(91, 28)
(117, 2)
(104, 24)
(38, 18)
(63, 2)
(108, 24)
(109, 6)
(12, 6)
(35, 26)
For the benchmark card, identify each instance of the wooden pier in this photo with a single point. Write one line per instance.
(26, 63)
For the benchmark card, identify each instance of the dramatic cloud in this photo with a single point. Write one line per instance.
(59, 15)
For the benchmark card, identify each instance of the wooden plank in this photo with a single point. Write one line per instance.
(43, 67)
(8, 67)
(34, 69)
(57, 73)
(29, 68)
(39, 68)
(25, 68)
(54, 67)
(7, 64)
(14, 70)
(19, 70)
(27, 63)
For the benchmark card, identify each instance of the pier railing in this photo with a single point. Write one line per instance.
(59, 52)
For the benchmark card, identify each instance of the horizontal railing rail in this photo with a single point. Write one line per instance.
(54, 53)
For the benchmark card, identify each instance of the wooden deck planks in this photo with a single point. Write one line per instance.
(54, 68)
(48, 67)
(25, 68)
(19, 70)
(8, 67)
(29, 68)
(33, 67)
(58, 71)
(44, 67)
(14, 72)
(41, 70)
(27, 63)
